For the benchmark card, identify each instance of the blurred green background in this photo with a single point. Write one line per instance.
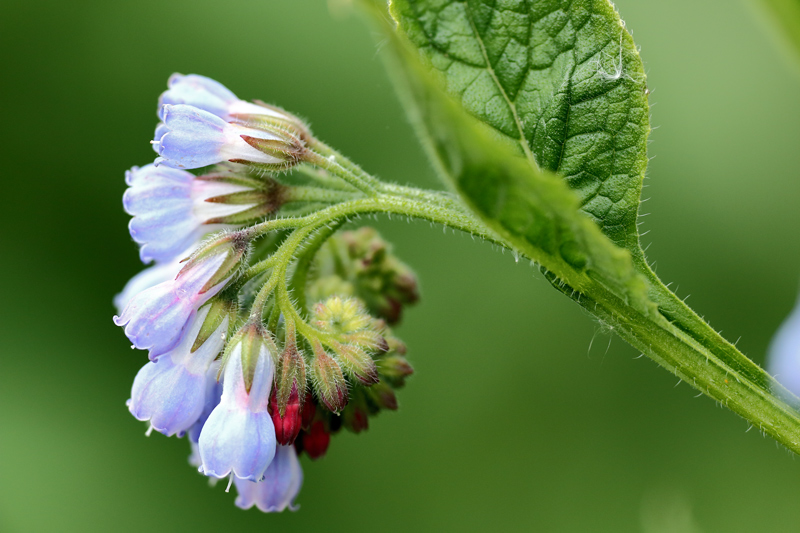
(511, 423)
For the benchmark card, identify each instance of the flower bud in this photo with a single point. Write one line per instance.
(193, 138)
(309, 410)
(341, 315)
(382, 396)
(382, 280)
(355, 417)
(316, 440)
(394, 369)
(357, 363)
(329, 382)
(287, 425)
(286, 402)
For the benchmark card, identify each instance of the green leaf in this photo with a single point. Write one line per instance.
(507, 179)
(532, 208)
(560, 80)
(785, 15)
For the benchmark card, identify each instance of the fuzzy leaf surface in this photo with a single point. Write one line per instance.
(560, 80)
(531, 208)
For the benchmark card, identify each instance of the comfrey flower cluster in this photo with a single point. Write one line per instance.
(266, 328)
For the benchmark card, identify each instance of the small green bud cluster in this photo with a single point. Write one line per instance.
(361, 263)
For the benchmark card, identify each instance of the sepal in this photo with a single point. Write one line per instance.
(394, 368)
(232, 247)
(220, 309)
(382, 396)
(356, 363)
(328, 379)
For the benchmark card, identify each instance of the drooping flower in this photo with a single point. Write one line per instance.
(171, 208)
(784, 353)
(150, 277)
(193, 138)
(210, 95)
(171, 391)
(213, 393)
(278, 490)
(239, 436)
(155, 319)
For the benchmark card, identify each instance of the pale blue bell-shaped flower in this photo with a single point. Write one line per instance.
(170, 209)
(150, 277)
(193, 138)
(209, 95)
(239, 436)
(171, 391)
(156, 318)
(213, 394)
(279, 488)
(783, 360)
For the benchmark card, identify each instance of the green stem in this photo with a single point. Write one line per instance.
(688, 347)
(324, 179)
(352, 169)
(316, 194)
(331, 164)
(300, 276)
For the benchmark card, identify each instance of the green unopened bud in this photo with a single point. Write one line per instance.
(382, 396)
(329, 382)
(382, 280)
(356, 415)
(394, 369)
(357, 363)
(291, 376)
(341, 315)
(327, 286)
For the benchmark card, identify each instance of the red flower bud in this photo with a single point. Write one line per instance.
(356, 419)
(287, 426)
(316, 440)
(309, 410)
(382, 396)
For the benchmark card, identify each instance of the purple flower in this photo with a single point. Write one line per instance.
(170, 208)
(211, 96)
(784, 353)
(280, 486)
(238, 436)
(156, 318)
(171, 391)
(195, 138)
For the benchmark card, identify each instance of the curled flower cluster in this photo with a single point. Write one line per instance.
(259, 347)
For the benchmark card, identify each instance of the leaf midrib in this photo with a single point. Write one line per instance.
(523, 140)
